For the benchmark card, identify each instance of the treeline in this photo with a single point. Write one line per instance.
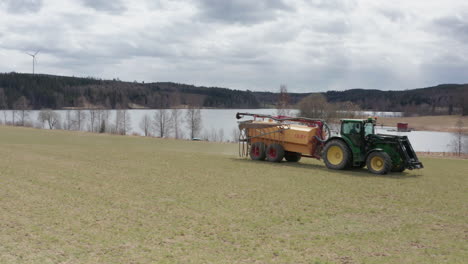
(18, 91)
(446, 99)
(58, 92)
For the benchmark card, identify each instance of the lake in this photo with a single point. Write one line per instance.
(220, 124)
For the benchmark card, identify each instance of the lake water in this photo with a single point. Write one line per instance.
(221, 124)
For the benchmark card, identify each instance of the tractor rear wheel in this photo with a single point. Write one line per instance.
(292, 156)
(379, 162)
(257, 151)
(275, 152)
(337, 155)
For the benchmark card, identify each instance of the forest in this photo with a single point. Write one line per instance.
(20, 90)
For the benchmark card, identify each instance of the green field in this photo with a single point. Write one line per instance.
(71, 197)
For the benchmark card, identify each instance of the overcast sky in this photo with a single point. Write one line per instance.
(309, 45)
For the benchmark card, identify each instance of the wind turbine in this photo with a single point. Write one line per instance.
(33, 58)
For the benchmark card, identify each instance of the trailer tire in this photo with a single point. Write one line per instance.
(379, 162)
(292, 156)
(337, 155)
(257, 151)
(275, 152)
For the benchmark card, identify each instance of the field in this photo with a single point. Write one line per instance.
(431, 123)
(71, 197)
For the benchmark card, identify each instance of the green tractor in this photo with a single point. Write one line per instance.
(359, 146)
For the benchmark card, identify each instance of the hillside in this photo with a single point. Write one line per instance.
(56, 92)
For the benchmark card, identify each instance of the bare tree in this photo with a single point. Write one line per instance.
(79, 120)
(193, 121)
(93, 118)
(3, 104)
(50, 117)
(68, 122)
(283, 107)
(145, 125)
(235, 134)
(458, 142)
(126, 122)
(175, 116)
(22, 106)
(315, 106)
(162, 122)
(102, 120)
(122, 122)
(13, 116)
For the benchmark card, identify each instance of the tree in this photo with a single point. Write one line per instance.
(282, 106)
(50, 117)
(93, 117)
(458, 143)
(68, 122)
(102, 120)
(80, 117)
(162, 122)
(315, 106)
(193, 121)
(22, 106)
(145, 125)
(235, 134)
(3, 103)
(175, 116)
(122, 121)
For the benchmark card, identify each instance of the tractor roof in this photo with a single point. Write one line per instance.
(367, 120)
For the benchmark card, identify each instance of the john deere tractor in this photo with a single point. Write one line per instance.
(359, 146)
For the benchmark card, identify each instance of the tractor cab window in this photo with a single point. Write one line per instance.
(368, 129)
(351, 128)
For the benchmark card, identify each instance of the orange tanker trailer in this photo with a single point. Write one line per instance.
(275, 138)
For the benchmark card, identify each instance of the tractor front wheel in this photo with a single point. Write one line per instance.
(399, 168)
(337, 155)
(275, 152)
(292, 156)
(257, 151)
(379, 162)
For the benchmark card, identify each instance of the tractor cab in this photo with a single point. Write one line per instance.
(357, 130)
(356, 133)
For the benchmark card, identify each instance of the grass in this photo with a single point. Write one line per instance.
(70, 197)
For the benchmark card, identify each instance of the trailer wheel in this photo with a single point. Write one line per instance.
(337, 155)
(257, 151)
(379, 162)
(292, 156)
(275, 152)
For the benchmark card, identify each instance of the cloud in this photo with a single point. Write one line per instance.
(22, 6)
(454, 27)
(308, 45)
(110, 6)
(241, 11)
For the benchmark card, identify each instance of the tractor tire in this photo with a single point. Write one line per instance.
(275, 152)
(257, 151)
(379, 162)
(399, 168)
(337, 155)
(292, 156)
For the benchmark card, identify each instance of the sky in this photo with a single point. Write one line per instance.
(307, 45)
